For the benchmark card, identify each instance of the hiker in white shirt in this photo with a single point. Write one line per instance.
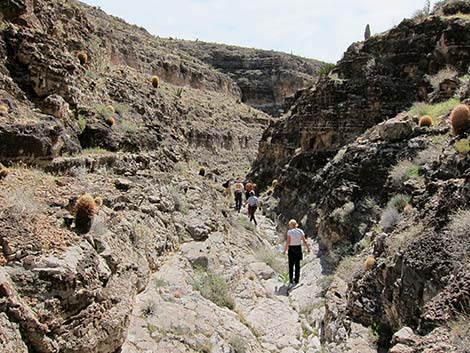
(252, 203)
(295, 238)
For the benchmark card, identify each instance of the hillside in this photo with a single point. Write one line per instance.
(265, 78)
(370, 184)
(117, 235)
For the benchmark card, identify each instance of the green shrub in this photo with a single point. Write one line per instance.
(434, 110)
(238, 344)
(460, 334)
(82, 123)
(462, 146)
(272, 259)
(325, 282)
(325, 69)
(245, 223)
(214, 288)
(399, 202)
(148, 310)
(390, 218)
(403, 171)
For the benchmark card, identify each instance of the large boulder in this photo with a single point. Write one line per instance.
(396, 129)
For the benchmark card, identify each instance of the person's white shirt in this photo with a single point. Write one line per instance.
(296, 235)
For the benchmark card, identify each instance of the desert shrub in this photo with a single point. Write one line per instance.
(325, 282)
(402, 238)
(390, 218)
(348, 268)
(462, 146)
(82, 57)
(214, 288)
(399, 202)
(148, 310)
(179, 92)
(460, 334)
(464, 88)
(159, 283)
(341, 214)
(94, 150)
(82, 123)
(245, 223)
(369, 263)
(325, 69)
(85, 210)
(459, 226)
(155, 81)
(272, 259)
(178, 200)
(110, 121)
(3, 109)
(127, 127)
(403, 171)
(434, 110)
(425, 121)
(238, 344)
(22, 204)
(121, 108)
(460, 119)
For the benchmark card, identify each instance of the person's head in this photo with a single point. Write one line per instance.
(252, 193)
(293, 224)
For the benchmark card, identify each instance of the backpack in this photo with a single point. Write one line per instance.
(225, 185)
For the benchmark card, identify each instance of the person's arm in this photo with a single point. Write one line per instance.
(287, 244)
(305, 243)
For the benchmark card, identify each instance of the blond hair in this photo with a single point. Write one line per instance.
(293, 223)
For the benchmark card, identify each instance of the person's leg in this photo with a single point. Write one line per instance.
(291, 268)
(297, 270)
(253, 215)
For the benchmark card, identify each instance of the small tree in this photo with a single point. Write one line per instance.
(367, 32)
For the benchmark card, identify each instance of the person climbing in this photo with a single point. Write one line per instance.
(248, 190)
(295, 238)
(252, 203)
(238, 188)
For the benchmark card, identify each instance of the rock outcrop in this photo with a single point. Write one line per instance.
(374, 81)
(368, 182)
(266, 78)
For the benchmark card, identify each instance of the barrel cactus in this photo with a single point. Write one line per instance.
(460, 119)
(155, 81)
(85, 210)
(82, 57)
(425, 121)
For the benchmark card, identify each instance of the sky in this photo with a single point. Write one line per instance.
(319, 29)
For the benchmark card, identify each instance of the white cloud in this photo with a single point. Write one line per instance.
(320, 29)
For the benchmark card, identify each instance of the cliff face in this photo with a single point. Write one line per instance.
(99, 127)
(265, 78)
(348, 150)
(374, 81)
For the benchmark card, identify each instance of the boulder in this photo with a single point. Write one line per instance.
(396, 129)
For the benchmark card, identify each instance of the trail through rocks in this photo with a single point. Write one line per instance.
(171, 315)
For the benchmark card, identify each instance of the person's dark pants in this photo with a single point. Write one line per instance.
(247, 195)
(295, 255)
(251, 213)
(238, 201)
